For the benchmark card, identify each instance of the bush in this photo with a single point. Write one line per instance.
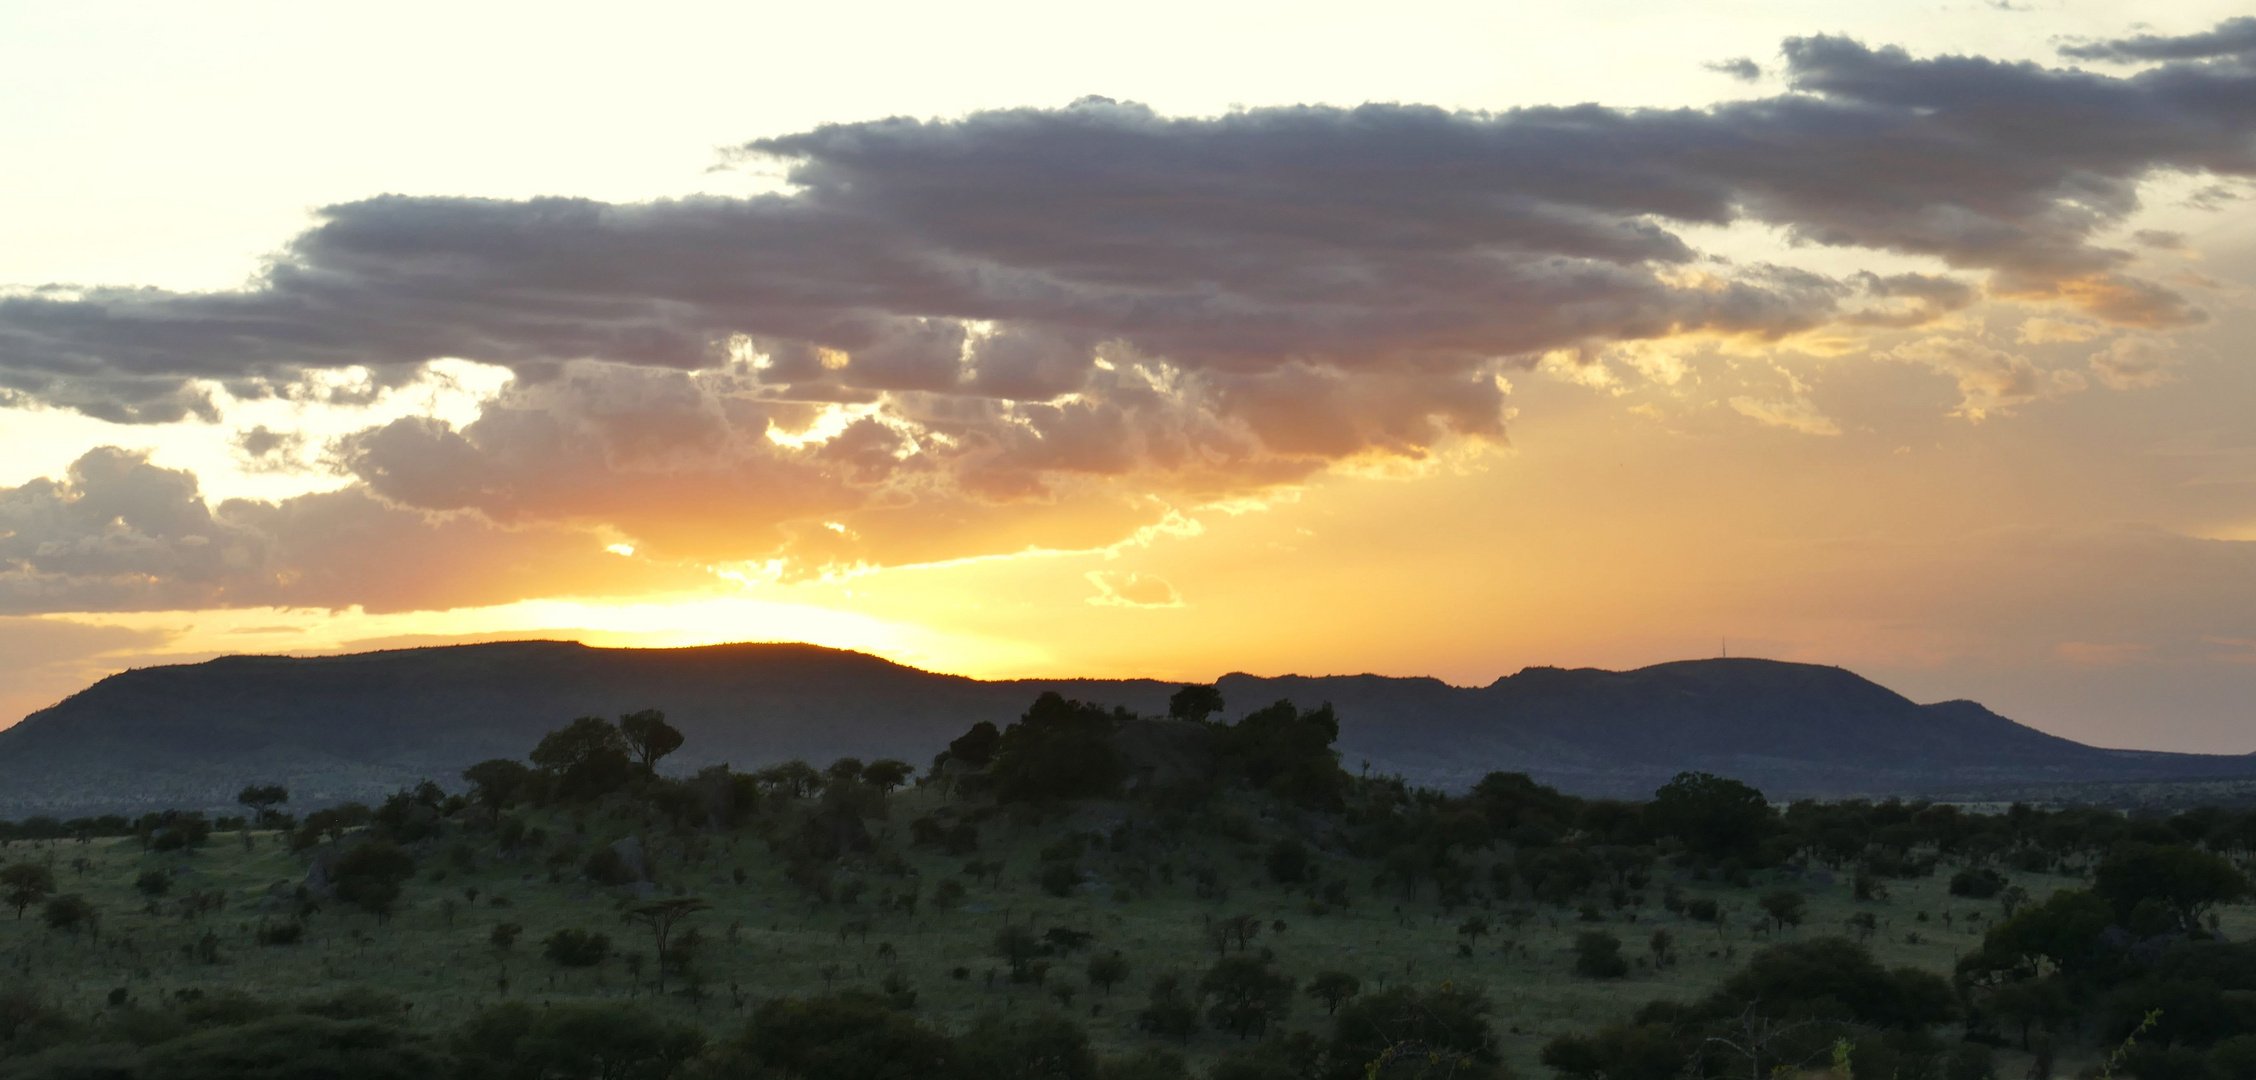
(1248, 993)
(517, 1040)
(608, 867)
(1449, 1022)
(1171, 1013)
(1288, 862)
(1977, 882)
(852, 1034)
(282, 933)
(1598, 955)
(1060, 879)
(575, 947)
(370, 875)
(295, 1046)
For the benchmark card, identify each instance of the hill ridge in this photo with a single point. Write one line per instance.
(357, 725)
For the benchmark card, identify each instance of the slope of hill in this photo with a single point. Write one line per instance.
(354, 727)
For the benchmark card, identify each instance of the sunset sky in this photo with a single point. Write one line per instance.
(1164, 340)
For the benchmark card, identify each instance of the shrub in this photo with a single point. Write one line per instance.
(574, 947)
(1287, 861)
(370, 875)
(1060, 878)
(282, 933)
(1249, 994)
(1598, 955)
(1977, 882)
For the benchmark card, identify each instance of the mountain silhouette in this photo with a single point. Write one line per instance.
(359, 726)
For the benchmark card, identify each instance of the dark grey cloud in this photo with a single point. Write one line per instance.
(1368, 239)
(1738, 67)
(2233, 37)
(1040, 318)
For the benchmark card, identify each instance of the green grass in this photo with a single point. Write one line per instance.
(785, 943)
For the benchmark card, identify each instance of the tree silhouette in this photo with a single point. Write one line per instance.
(1194, 703)
(588, 757)
(1713, 816)
(1248, 994)
(262, 799)
(495, 783)
(1106, 969)
(650, 737)
(887, 773)
(1334, 988)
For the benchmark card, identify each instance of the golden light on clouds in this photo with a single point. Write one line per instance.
(1110, 388)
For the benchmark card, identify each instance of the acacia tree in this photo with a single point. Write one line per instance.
(1248, 994)
(1333, 988)
(262, 799)
(26, 884)
(660, 917)
(887, 773)
(650, 737)
(495, 783)
(1194, 703)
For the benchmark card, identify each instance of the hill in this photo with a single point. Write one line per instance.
(356, 726)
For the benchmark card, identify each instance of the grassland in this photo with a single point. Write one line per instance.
(763, 936)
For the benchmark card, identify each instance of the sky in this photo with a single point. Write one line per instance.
(1009, 340)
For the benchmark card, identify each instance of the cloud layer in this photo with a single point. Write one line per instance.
(1042, 327)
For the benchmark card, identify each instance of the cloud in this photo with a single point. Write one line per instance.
(1990, 381)
(1794, 415)
(2233, 37)
(1738, 67)
(1040, 328)
(120, 534)
(2040, 330)
(991, 256)
(2134, 363)
(1132, 589)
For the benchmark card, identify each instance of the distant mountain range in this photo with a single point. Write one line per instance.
(359, 726)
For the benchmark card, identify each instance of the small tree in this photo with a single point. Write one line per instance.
(661, 917)
(262, 799)
(1248, 995)
(1334, 988)
(1018, 947)
(1105, 969)
(152, 885)
(1598, 955)
(1172, 1013)
(71, 914)
(504, 936)
(574, 947)
(1287, 861)
(25, 884)
(1472, 929)
(1786, 907)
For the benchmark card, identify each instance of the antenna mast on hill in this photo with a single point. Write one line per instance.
(1726, 643)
